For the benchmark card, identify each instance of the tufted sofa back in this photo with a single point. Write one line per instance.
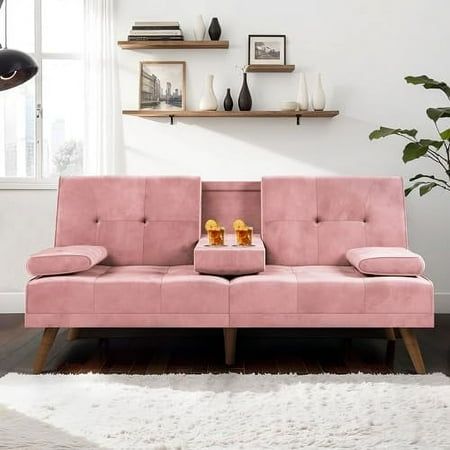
(152, 220)
(314, 221)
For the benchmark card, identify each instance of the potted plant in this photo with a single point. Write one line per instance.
(438, 150)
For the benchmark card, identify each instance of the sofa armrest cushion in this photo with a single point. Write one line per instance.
(64, 260)
(394, 261)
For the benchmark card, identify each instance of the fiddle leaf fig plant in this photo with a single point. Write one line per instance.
(438, 150)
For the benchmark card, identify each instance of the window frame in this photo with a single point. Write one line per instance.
(38, 181)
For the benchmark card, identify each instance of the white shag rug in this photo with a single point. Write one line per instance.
(227, 411)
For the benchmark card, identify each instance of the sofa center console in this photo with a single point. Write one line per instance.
(229, 259)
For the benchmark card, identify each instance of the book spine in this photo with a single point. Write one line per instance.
(155, 38)
(159, 27)
(155, 33)
(157, 24)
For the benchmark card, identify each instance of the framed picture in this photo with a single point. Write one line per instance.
(267, 49)
(163, 85)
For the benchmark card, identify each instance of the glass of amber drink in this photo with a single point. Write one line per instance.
(216, 236)
(244, 236)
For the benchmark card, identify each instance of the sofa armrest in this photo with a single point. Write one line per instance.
(64, 260)
(394, 261)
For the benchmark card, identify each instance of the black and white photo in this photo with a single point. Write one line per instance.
(163, 85)
(266, 49)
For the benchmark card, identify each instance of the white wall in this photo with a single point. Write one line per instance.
(364, 49)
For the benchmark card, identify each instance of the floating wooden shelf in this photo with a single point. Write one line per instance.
(144, 45)
(264, 68)
(148, 113)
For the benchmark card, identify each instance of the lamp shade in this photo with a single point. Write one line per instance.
(15, 68)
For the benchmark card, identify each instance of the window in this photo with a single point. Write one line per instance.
(41, 122)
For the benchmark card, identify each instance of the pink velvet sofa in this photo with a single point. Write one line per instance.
(335, 253)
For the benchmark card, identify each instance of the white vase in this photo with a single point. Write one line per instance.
(208, 101)
(318, 98)
(199, 28)
(302, 94)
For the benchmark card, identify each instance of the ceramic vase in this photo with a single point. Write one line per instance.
(302, 94)
(214, 29)
(199, 28)
(318, 98)
(228, 101)
(245, 99)
(208, 101)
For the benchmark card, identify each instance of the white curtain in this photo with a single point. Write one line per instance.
(102, 112)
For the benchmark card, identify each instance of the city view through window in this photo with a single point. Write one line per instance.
(41, 122)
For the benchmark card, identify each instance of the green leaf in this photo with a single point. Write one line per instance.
(445, 134)
(424, 189)
(429, 83)
(414, 186)
(431, 143)
(421, 175)
(413, 151)
(438, 113)
(383, 132)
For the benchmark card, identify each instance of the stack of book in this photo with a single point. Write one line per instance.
(156, 31)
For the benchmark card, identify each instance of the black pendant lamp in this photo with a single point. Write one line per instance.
(15, 67)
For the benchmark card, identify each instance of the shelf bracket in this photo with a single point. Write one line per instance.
(171, 119)
(298, 119)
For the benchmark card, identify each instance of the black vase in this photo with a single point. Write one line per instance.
(228, 101)
(214, 29)
(245, 99)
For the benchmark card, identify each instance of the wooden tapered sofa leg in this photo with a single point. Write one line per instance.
(47, 340)
(74, 334)
(412, 346)
(229, 335)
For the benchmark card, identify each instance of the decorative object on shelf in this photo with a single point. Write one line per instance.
(15, 67)
(156, 31)
(318, 97)
(266, 49)
(432, 149)
(199, 28)
(302, 93)
(163, 85)
(228, 101)
(245, 98)
(208, 101)
(288, 106)
(214, 29)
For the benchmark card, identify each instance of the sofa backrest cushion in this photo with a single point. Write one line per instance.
(151, 220)
(309, 221)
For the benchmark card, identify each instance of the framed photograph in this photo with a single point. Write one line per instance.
(267, 49)
(163, 85)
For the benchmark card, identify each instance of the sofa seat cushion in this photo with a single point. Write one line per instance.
(129, 290)
(67, 259)
(327, 290)
(386, 261)
(269, 292)
(186, 291)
